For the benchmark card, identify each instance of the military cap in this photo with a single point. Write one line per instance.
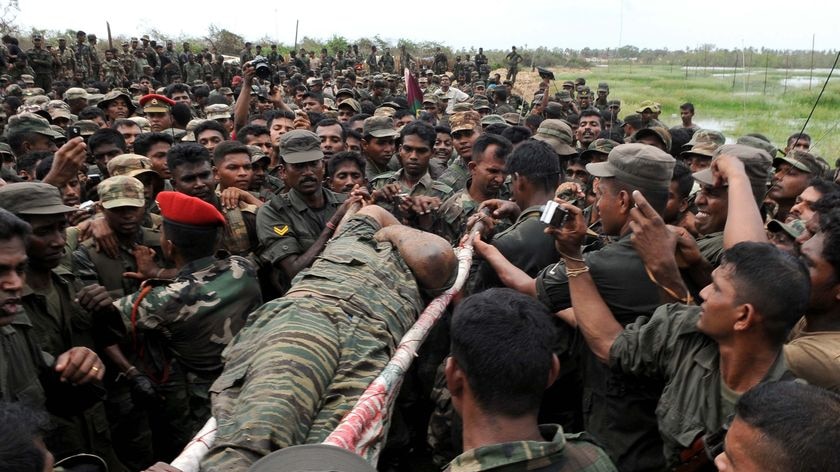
(14, 89)
(125, 43)
(553, 109)
(143, 123)
(793, 229)
(493, 120)
(557, 134)
(568, 83)
(759, 143)
(131, 165)
(91, 36)
(701, 149)
(603, 87)
(657, 132)
(481, 104)
(57, 113)
(80, 33)
(61, 139)
(5, 78)
(379, 127)
(27, 79)
(53, 104)
(584, 93)
(640, 165)
(32, 198)
(345, 91)
(30, 123)
(38, 100)
(176, 133)
(312, 457)
(94, 98)
(383, 111)
(226, 91)
(314, 81)
(757, 165)
(298, 146)
(513, 118)
(217, 111)
(463, 106)
(86, 127)
(154, 103)
(113, 95)
(465, 120)
(352, 103)
(613, 103)
(580, 81)
(801, 160)
(705, 136)
(182, 209)
(121, 191)
(564, 96)
(599, 146)
(6, 149)
(257, 154)
(648, 104)
(430, 98)
(479, 83)
(145, 37)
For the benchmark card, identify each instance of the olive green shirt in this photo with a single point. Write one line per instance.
(424, 187)
(711, 247)
(668, 346)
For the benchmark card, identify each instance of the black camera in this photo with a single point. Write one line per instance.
(553, 214)
(261, 67)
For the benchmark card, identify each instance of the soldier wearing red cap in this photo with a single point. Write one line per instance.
(196, 313)
(158, 110)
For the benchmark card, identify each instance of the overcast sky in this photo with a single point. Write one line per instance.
(493, 25)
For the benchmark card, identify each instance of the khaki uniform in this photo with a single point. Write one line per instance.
(814, 356)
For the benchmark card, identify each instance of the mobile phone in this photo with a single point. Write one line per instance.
(73, 132)
(553, 214)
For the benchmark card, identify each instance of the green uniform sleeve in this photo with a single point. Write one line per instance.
(83, 266)
(277, 234)
(646, 347)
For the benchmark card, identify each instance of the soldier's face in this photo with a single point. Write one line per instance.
(195, 180)
(129, 133)
(346, 177)
(488, 172)
(262, 141)
(788, 182)
(588, 130)
(279, 127)
(379, 150)
(179, 97)
(331, 142)
(46, 243)
(210, 138)
(414, 155)
(157, 154)
(118, 108)
(12, 277)
(464, 140)
(159, 121)
(125, 220)
(235, 171)
(443, 146)
(712, 205)
(305, 177)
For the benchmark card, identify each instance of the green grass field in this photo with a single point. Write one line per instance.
(747, 107)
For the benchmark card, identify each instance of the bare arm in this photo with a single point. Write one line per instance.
(510, 275)
(743, 221)
(243, 102)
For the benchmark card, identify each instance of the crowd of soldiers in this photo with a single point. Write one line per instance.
(185, 237)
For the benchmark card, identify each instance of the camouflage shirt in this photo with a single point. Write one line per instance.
(198, 312)
(455, 175)
(558, 453)
(424, 187)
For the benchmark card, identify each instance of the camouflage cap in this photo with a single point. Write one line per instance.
(53, 104)
(383, 111)
(603, 87)
(38, 100)
(300, 145)
(32, 198)
(564, 96)
(131, 165)
(121, 191)
(493, 120)
(794, 228)
(558, 135)
(217, 111)
(143, 123)
(702, 149)
(759, 143)
(706, 135)
(351, 103)
(312, 457)
(648, 105)
(513, 118)
(379, 127)
(479, 83)
(804, 161)
(599, 146)
(465, 120)
(430, 98)
(30, 123)
(757, 164)
(257, 154)
(585, 92)
(658, 132)
(27, 79)
(14, 89)
(640, 165)
(614, 103)
(86, 127)
(94, 98)
(480, 104)
(463, 106)
(345, 91)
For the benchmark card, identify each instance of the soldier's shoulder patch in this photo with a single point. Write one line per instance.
(281, 230)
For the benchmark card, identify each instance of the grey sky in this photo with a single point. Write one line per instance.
(550, 23)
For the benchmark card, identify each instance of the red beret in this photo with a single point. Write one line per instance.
(154, 100)
(181, 208)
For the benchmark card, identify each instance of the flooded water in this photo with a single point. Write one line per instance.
(805, 81)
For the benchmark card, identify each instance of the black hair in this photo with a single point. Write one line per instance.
(614, 133)
(181, 114)
(317, 96)
(443, 129)
(422, 130)
(172, 89)
(517, 134)
(123, 122)
(17, 139)
(351, 133)
(828, 209)
(211, 125)
(332, 122)
(798, 425)
(90, 113)
(29, 161)
(592, 112)
(503, 147)
(502, 334)
(340, 158)
(687, 106)
(533, 121)
(251, 130)
(186, 153)
(44, 166)
(359, 117)
(278, 114)
(401, 113)
(145, 141)
(20, 428)
(228, 147)
(314, 118)
(106, 136)
(200, 91)
(536, 161)
(780, 295)
(682, 175)
(679, 137)
(798, 137)
(823, 186)
(13, 227)
(496, 128)
(657, 198)
(635, 121)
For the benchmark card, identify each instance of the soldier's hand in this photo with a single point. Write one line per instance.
(653, 241)
(248, 73)
(688, 253)
(386, 193)
(143, 392)
(726, 166)
(79, 365)
(94, 298)
(147, 268)
(569, 237)
(162, 467)
(420, 205)
(230, 198)
(501, 208)
(104, 238)
(362, 193)
(68, 160)
(301, 120)
(488, 223)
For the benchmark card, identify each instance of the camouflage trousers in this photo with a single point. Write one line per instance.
(295, 370)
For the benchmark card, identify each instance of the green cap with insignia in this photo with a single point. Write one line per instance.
(121, 191)
(794, 228)
(557, 134)
(757, 163)
(639, 165)
(600, 146)
(32, 198)
(801, 160)
(300, 145)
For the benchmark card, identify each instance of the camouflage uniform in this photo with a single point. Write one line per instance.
(193, 71)
(456, 175)
(112, 73)
(81, 55)
(129, 65)
(67, 64)
(301, 362)
(558, 453)
(424, 187)
(513, 59)
(387, 63)
(451, 222)
(42, 64)
(193, 317)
